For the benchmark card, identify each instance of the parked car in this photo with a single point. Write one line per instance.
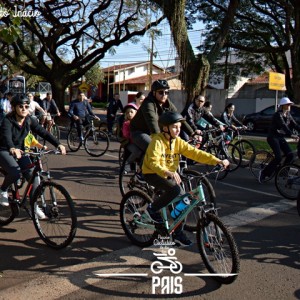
(262, 120)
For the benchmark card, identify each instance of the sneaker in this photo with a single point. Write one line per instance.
(181, 239)
(40, 213)
(3, 198)
(154, 215)
(261, 177)
(140, 178)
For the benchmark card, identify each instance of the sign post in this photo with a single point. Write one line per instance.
(276, 82)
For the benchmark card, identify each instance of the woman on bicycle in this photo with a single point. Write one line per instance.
(281, 127)
(161, 162)
(16, 126)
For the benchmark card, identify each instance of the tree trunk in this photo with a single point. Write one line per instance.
(195, 68)
(58, 94)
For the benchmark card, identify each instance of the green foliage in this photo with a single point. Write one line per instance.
(94, 75)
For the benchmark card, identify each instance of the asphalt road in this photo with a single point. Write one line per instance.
(266, 228)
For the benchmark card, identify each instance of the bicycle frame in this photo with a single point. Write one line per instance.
(196, 196)
(19, 200)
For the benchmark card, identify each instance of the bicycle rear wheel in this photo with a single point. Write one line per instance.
(96, 142)
(287, 181)
(58, 229)
(73, 140)
(133, 204)
(218, 249)
(191, 183)
(259, 160)
(246, 149)
(6, 212)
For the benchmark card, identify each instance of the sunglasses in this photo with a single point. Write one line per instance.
(163, 92)
(21, 106)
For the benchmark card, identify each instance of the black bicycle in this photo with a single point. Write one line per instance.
(95, 141)
(57, 227)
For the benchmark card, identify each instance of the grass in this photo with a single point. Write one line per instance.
(263, 145)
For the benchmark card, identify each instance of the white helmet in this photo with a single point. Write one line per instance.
(285, 100)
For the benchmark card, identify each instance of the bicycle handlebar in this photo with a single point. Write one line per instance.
(42, 152)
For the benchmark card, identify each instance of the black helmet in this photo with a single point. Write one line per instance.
(160, 85)
(19, 99)
(169, 118)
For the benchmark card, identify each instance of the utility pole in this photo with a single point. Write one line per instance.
(151, 60)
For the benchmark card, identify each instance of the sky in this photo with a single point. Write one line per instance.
(163, 45)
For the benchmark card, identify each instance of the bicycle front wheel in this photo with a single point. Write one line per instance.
(259, 160)
(218, 249)
(96, 143)
(73, 140)
(246, 149)
(287, 181)
(55, 131)
(59, 226)
(191, 183)
(133, 205)
(6, 212)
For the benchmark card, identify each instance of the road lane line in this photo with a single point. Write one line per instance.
(250, 190)
(257, 213)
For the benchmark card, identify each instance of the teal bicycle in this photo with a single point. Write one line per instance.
(215, 241)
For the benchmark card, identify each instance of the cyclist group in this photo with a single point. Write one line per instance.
(152, 124)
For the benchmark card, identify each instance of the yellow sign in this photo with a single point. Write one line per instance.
(276, 81)
(84, 87)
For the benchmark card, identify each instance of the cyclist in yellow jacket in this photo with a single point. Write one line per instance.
(161, 162)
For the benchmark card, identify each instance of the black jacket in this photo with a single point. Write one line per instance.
(12, 135)
(146, 118)
(282, 126)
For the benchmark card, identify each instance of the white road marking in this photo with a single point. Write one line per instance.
(257, 213)
(250, 190)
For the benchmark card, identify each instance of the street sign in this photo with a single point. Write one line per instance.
(84, 87)
(276, 81)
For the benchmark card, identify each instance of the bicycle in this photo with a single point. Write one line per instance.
(95, 141)
(215, 242)
(287, 176)
(51, 127)
(190, 178)
(58, 229)
(215, 143)
(246, 148)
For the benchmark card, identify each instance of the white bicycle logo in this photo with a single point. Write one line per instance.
(174, 266)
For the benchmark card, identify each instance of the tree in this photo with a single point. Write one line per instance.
(266, 28)
(195, 67)
(65, 39)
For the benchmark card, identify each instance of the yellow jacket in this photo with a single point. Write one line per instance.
(160, 158)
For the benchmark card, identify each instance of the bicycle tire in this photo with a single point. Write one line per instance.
(259, 161)
(247, 149)
(6, 212)
(233, 154)
(193, 217)
(73, 140)
(217, 248)
(287, 181)
(55, 131)
(214, 150)
(59, 228)
(96, 142)
(134, 203)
